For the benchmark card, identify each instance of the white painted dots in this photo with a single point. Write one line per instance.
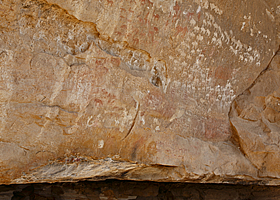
(100, 144)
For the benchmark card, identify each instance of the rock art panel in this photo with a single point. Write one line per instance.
(138, 90)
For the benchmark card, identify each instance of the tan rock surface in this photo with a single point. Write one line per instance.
(139, 90)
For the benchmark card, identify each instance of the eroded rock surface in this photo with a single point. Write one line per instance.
(255, 117)
(139, 90)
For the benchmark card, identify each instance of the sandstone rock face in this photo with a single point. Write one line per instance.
(139, 90)
(255, 117)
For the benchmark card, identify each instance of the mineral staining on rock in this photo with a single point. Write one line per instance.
(142, 90)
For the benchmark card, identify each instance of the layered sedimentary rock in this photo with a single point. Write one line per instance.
(139, 90)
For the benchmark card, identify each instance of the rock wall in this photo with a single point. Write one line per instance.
(139, 90)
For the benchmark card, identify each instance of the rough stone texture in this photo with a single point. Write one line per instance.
(255, 117)
(128, 190)
(139, 90)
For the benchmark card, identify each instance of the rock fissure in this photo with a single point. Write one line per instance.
(133, 122)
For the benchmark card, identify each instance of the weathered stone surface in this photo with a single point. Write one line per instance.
(139, 90)
(255, 117)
